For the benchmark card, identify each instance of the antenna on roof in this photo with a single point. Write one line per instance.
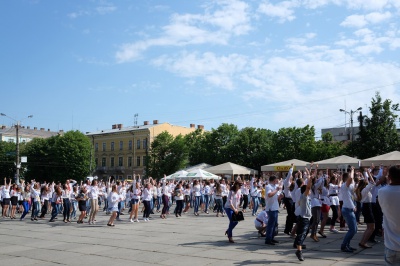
(135, 119)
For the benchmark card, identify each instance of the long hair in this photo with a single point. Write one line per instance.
(361, 185)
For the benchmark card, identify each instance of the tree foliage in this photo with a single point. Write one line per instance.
(59, 157)
(168, 155)
(378, 134)
(7, 159)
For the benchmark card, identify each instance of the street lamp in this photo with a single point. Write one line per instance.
(351, 120)
(18, 164)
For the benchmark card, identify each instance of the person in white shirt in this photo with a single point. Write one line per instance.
(135, 193)
(113, 200)
(288, 201)
(303, 213)
(232, 206)
(261, 223)
(147, 197)
(272, 198)
(178, 194)
(197, 195)
(391, 216)
(5, 194)
(348, 210)
(218, 199)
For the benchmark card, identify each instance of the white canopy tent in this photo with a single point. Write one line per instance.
(339, 162)
(176, 175)
(231, 169)
(284, 166)
(391, 158)
(198, 166)
(198, 174)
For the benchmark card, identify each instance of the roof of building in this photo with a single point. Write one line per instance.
(27, 132)
(120, 128)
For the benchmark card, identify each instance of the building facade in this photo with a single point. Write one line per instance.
(122, 151)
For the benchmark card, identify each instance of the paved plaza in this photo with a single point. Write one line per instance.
(188, 240)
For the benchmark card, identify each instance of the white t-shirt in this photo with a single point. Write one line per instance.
(391, 215)
(271, 203)
(347, 196)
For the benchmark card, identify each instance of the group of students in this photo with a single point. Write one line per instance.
(308, 197)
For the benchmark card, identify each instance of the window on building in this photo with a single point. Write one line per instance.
(138, 161)
(121, 145)
(129, 161)
(145, 144)
(130, 145)
(112, 145)
(96, 147)
(112, 162)
(96, 161)
(138, 144)
(104, 146)
(103, 162)
(120, 161)
(144, 160)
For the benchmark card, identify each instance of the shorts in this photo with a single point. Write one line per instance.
(325, 208)
(6, 201)
(14, 200)
(134, 201)
(367, 213)
(82, 207)
(113, 209)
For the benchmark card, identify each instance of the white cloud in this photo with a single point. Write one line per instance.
(357, 21)
(217, 25)
(283, 11)
(106, 9)
(376, 17)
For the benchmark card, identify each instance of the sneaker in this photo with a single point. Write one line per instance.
(136, 220)
(334, 230)
(343, 229)
(119, 219)
(299, 255)
(130, 220)
(346, 249)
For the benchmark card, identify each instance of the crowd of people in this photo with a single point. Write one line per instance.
(316, 201)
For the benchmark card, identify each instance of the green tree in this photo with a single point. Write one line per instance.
(7, 159)
(328, 148)
(378, 134)
(294, 143)
(195, 142)
(59, 158)
(168, 154)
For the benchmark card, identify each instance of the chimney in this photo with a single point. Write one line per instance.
(155, 122)
(200, 127)
(3, 127)
(114, 126)
(42, 129)
(61, 131)
(28, 127)
(146, 123)
(35, 128)
(48, 129)
(192, 125)
(120, 126)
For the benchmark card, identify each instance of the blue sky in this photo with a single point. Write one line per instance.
(86, 65)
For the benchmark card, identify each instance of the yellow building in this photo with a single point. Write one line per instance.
(121, 151)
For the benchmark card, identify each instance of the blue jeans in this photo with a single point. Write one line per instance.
(232, 224)
(206, 201)
(67, 208)
(26, 209)
(350, 218)
(218, 203)
(272, 220)
(302, 228)
(392, 257)
(74, 208)
(158, 202)
(255, 204)
(55, 209)
(197, 203)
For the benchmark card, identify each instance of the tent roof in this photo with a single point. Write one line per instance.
(391, 158)
(198, 174)
(198, 166)
(284, 166)
(177, 174)
(338, 161)
(231, 169)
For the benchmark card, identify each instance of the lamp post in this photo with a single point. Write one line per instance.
(18, 163)
(351, 122)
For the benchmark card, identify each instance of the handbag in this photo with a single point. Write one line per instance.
(237, 217)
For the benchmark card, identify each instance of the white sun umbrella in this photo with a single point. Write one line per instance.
(177, 174)
(199, 174)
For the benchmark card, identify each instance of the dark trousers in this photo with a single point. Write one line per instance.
(67, 209)
(303, 224)
(179, 207)
(44, 208)
(147, 209)
(165, 204)
(245, 201)
(291, 217)
(334, 214)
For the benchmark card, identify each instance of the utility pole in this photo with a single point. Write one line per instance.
(351, 123)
